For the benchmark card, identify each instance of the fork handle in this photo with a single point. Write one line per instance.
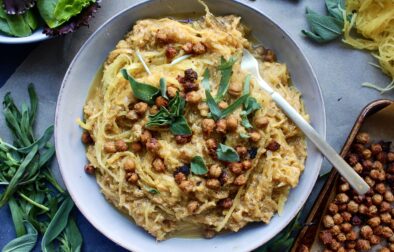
(337, 161)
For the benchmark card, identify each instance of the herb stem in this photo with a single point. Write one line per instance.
(33, 202)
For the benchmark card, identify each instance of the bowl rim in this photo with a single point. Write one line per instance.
(36, 36)
(144, 2)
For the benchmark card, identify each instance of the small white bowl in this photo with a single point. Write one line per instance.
(35, 37)
(71, 152)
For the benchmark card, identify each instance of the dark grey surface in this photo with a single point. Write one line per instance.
(339, 69)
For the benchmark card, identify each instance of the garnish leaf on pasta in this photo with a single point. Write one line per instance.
(250, 104)
(213, 106)
(244, 136)
(226, 70)
(198, 166)
(179, 126)
(142, 91)
(233, 106)
(205, 80)
(163, 88)
(227, 153)
(25, 242)
(151, 190)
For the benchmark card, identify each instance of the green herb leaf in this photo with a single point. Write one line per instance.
(233, 106)
(39, 143)
(17, 217)
(151, 190)
(251, 105)
(198, 166)
(161, 118)
(213, 107)
(244, 136)
(180, 127)
(335, 8)
(226, 70)
(142, 91)
(73, 236)
(205, 80)
(246, 89)
(33, 103)
(227, 153)
(24, 243)
(245, 121)
(57, 225)
(177, 105)
(163, 88)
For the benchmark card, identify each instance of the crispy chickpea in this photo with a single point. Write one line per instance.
(86, 138)
(273, 145)
(384, 249)
(362, 138)
(132, 177)
(246, 164)
(226, 203)
(209, 233)
(358, 198)
(186, 186)
(390, 156)
(208, 125)
(388, 196)
(335, 245)
(380, 188)
(377, 199)
(242, 151)
(374, 221)
(215, 170)
(192, 206)
(384, 207)
(193, 97)
(235, 88)
(350, 245)
(140, 108)
(158, 165)
(109, 147)
(352, 207)
(240, 180)
(358, 148)
(368, 201)
(325, 237)
(211, 144)
(346, 216)
(179, 177)
(342, 198)
(362, 244)
(132, 115)
(89, 169)
(236, 167)
(328, 221)
(223, 105)
(367, 164)
(377, 165)
(199, 48)
(129, 165)
(146, 135)
(382, 157)
(362, 209)
(333, 208)
(387, 232)
(261, 122)
(374, 239)
(337, 219)
(366, 232)
(335, 230)
(161, 102)
(358, 168)
(372, 210)
(346, 227)
(255, 136)
(121, 145)
(386, 218)
(188, 47)
(341, 237)
(369, 181)
(171, 52)
(213, 184)
(351, 235)
(136, 147)
(367, 154)
(232, 123)
(183, 139)
(171, 91)
(221, 126)
(153, 110)
(352, 159)
(344, 187)
(153, 145)
(342, 207)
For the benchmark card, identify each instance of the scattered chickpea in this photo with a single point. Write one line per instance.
(86, 138)
(377, 199)
(132, 177)
(342, 207)
(335, 230)
(384, 207)
(170, 52)
(377, 165)
(382, 157)
(352, 207)
(346, 227)
(362, 244)
(179, 177)
(261, 122)
(273, 145)
(384, 249)
(240, 180)
(362, 138)
(132, 115)
(236, 167)
(246, 164)
(374, 239)
(161, 102)
(90, 169)
(367, 164)
(192, 206)
(358, 168)
(235, 88)
(372, 210)
(129, 165)
(341, 237)
(221, 126)
(326, 236)
(242, 151)
(223, 105)
(213, 184)
(232, 123)
(208, 125)
(366, 231)
(367, 154)
(211, 144)
(344, 187)
(255, 137)
(153, 145)
(199, 48)
(388, 196)
(337, 218)
(358, 148)
(386, 218)
(121, 145)
(158, 165)
(171, 91)
(186, 186)
(183, 139)
(351, 236)
(193, 97)
(136, 147)
(347, 217)
(387, 232)
(109, 147)
(390, 157)
(226, 203)
(342, 198)
(188, 47)
(363, 209)
(146, 135)
(352, 159)
(335, 245)
(209, 233)
(369, 181)
(215, 170)
(380, 188)
(333, 208)
(140, 108)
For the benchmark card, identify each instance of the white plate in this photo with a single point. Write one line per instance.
(35, 37)
(71, 152)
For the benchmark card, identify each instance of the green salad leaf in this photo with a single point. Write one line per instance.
(142, 91)
(226, 70)
(227, 153)
(24, 243)
(197, 166)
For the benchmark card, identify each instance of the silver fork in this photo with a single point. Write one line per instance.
(250, 64)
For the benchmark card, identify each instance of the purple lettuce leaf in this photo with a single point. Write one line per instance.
(17, 7)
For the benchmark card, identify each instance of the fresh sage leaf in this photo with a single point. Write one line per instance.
(151, 190)
(245, 121)
(177, 105)
(73, 236)
(205, 80)
(335, 8)
(57, 225)
(33, 103)
(233, 106)
(142, 91)
(161, 118)
(244, 135)
(17, 217)
(213, 107)
(24, 243)
(227, 153)
(198, 166)
(180, 127)
(226, 70)
(163, 88)
(40, 142)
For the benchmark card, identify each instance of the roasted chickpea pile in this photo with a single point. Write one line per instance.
(361, 223)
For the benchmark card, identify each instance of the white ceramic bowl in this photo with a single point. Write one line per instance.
(71, 153)
(35, 37)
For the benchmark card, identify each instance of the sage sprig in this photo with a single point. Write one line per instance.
(326, 28)
(250, 105)
(142, 91)
(216, 112)
(227, 153)
(197, 166)
(163, 88)
(172, 117)
(226, 70)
